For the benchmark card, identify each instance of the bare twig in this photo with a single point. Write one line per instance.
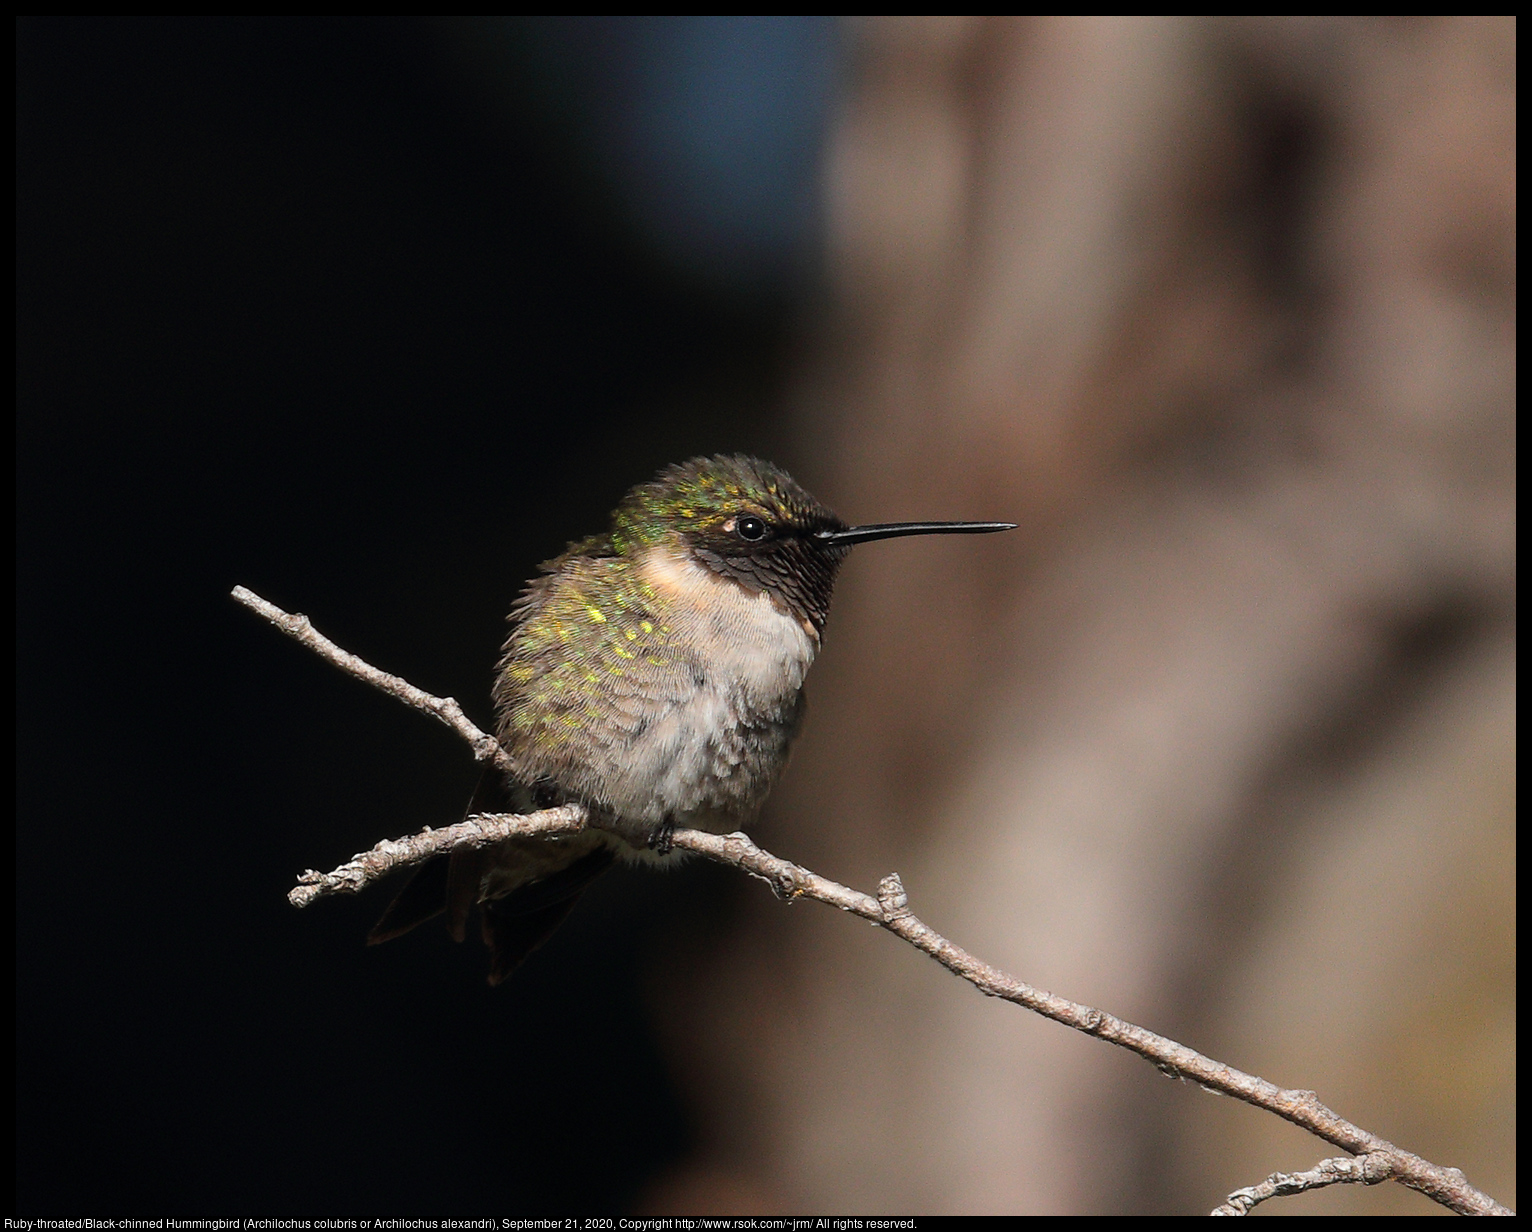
(1364, 1170)
(891, 910)
(479, 830)
(1378, 1157)
(444, 709)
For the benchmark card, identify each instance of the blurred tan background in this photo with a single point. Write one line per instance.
(1222, 740)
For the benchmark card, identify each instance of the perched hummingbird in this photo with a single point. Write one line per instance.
(655, 674)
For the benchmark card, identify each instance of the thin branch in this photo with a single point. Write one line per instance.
(890, 910)
(444, 709)
(1364, 1170)
(392, 854)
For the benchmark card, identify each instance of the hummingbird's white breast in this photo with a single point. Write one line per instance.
(708, 750)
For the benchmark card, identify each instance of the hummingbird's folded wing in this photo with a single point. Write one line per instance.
(424, 897)
(428, 892)
(517, 924)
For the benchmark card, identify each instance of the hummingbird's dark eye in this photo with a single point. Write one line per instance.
(750, 528)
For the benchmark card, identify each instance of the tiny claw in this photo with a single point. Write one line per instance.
(663, 837)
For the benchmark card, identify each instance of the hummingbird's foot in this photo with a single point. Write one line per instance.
(660, 841)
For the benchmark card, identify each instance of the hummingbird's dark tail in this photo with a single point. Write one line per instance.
(513, 925)
(432, 888)
(517, 924)
(512, 938)
(424, 897)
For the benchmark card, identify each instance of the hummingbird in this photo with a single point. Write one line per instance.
(653, 673)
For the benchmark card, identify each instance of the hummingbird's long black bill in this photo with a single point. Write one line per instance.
(892, 530)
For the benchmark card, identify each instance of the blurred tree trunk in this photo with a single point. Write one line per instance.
(1222, 311)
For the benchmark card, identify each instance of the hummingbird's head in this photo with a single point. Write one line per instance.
(744, 519)
(751, 522)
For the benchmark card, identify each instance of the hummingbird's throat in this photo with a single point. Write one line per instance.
(701, 596)
(684, 584)
(745, 635)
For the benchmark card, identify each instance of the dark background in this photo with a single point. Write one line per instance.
(369, 316)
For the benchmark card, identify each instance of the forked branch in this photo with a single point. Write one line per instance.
(1377, 1159)
(1363, 1170)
